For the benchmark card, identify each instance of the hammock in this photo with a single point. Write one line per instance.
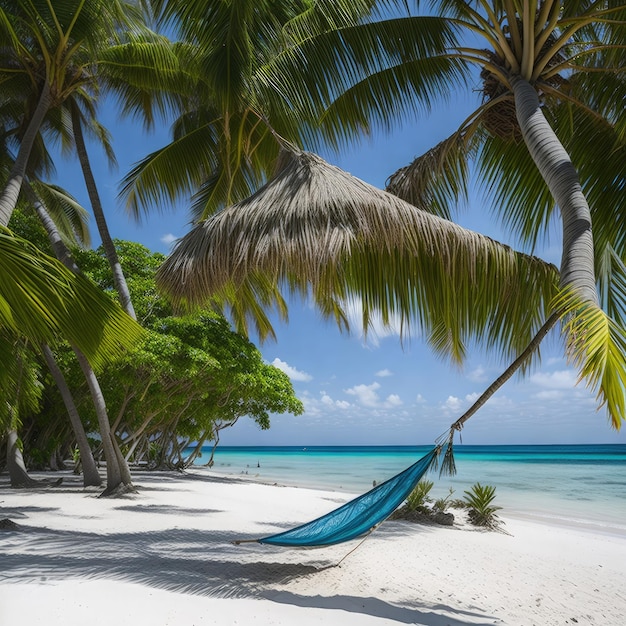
(359, 516)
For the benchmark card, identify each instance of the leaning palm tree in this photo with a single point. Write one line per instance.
(544, 66)
(43, 302)
(49, 62)
(49, 70)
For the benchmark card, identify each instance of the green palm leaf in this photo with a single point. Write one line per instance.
(42, 300)
(597, 346)
(314, 225)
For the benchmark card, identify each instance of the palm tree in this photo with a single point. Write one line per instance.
(50, 62)
(225, 139)
(544, 66)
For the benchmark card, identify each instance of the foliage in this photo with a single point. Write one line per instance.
(189, 377)
(440, 505)
(42, 300)
(481, 511)
(551, 94)
(418, 498)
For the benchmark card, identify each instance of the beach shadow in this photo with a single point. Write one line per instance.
(374, 607)
(165, 509)
(198, 562)
(184, 561)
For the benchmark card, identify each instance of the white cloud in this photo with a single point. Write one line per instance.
(384, 373)
(292, 372)
(452, 403)
(549, 394)
(478, 374)
(472, 397)
(365, 394)
(169, 239)
(377, 330)
(562, 379)
(420, 399)
(328, 401)
(393, 400)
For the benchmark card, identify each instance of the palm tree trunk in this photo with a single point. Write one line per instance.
(119, 279)
(118, 473)
(15, 462)
(114, 471)
(11, 192)
(91, 476)
(557, 169)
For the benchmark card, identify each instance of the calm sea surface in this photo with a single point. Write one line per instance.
(578, 484)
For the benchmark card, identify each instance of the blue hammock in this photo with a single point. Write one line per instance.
(359, 516)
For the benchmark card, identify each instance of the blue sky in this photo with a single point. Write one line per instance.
(379, 391)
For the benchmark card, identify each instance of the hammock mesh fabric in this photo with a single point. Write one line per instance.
(359, 516)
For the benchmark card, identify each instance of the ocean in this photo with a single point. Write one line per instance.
(580, 485)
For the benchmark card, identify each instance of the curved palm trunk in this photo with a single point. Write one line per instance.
(114, 472)
(91, 476)
(118, 473)
(94, 197)
(9, 196)
(557, 169)
(18, 474)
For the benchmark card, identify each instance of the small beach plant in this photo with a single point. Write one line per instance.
(441, 504)
(419, 496)
(481, 511)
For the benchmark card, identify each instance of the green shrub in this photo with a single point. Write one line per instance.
(441, 504)
(419, 496)
(479, 502)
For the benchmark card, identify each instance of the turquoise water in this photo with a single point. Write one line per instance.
(578, 484)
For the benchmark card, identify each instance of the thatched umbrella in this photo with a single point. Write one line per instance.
(314, 225)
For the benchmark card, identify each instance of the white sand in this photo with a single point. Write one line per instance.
(164, 557)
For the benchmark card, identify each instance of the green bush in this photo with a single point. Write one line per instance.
(441, 504)
(419, 496)
(479, 503)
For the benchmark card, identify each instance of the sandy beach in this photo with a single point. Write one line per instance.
(165, 557)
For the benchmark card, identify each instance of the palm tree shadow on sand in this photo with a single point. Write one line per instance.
(197, 562)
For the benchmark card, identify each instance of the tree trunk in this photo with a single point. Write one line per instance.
(15, 463)
(118, 474)
(119, 279)
(557, 169)
(11, 192)
(91, 476)
(115, 473)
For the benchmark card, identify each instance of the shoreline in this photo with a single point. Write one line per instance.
(535, 516)
(164, 556)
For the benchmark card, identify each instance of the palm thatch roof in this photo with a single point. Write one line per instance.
(314, 224)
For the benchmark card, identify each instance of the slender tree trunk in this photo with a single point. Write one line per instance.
(118, 474)
(91, 476)
(15, 462)
(11, 192)
(119, 279)
(114, 473)
(557, 169)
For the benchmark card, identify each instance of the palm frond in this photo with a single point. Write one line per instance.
(43, 301)
(437, 180)
(165, 174)
(597, 347)
(387, 66)
(315, 226)
(150, 76)
(71, 219)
